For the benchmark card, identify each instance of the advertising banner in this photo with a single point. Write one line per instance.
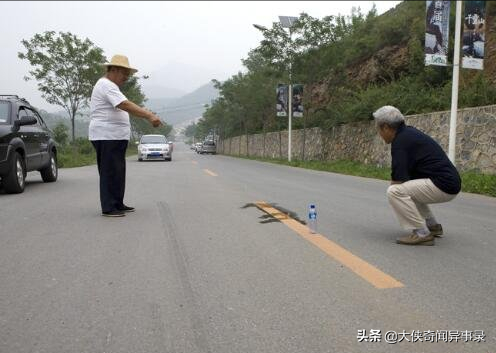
(473, 34)
(282, 99)
(436, 32)
(297, 101)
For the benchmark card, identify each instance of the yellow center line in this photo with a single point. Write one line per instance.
(362, 268)
(209, 172)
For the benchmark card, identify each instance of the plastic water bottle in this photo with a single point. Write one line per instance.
(312, 219)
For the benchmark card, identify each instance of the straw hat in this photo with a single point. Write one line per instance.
(121, 61)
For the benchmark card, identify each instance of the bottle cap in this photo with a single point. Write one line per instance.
(312, 206)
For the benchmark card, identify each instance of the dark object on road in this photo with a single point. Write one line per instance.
(269, 219)
(26, 144)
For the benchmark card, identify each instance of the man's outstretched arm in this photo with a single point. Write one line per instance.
(136, 110)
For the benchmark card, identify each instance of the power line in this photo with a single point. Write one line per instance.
(181, 107)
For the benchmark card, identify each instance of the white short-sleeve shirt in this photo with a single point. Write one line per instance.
(107, 121)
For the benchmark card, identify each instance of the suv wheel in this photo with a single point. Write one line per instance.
(49, 173)
(14, 181)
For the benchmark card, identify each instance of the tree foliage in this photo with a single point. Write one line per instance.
(66, 68)
(331, 56)
(60, 133)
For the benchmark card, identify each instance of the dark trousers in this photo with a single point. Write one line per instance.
(111, 160)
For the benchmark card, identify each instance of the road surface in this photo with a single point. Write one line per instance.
(200, 268)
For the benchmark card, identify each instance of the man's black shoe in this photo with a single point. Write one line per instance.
(116, 213)
(127, 209)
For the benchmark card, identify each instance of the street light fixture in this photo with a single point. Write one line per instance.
(260, 27)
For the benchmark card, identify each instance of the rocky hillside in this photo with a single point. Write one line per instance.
(389, 63)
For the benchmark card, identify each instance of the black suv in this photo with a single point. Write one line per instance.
(26, 144)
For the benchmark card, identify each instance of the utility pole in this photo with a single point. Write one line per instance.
(287, 22)
(290, 100)
(454, 87)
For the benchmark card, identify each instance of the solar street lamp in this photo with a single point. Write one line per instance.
(260, 27)
(286, 22)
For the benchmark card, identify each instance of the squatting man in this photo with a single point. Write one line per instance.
(421, 174)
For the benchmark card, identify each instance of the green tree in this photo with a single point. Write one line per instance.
(65, 67)
(246, 102)
(60, 133)
(190, 130)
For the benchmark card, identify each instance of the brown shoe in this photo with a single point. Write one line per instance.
(414, 239)
(436, 230)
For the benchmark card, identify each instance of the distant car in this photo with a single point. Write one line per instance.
(208, 147)
(198, 147)
(154, 147)
(26, 144)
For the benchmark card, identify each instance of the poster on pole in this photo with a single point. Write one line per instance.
(282, 99)
(436, 32)
(297, 101)
(473, 34)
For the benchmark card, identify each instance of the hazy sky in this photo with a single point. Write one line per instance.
(182, 45)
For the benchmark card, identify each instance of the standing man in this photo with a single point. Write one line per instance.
(421, 174)
(109, 132)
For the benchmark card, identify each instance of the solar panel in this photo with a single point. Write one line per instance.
(287, 21)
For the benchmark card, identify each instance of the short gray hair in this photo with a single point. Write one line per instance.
(390, 116)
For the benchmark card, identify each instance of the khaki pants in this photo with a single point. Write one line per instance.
(410, 201)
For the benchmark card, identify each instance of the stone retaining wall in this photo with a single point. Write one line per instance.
(475, 141)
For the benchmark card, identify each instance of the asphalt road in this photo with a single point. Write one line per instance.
(199, 268)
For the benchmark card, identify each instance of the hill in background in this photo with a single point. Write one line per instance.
(187, 107)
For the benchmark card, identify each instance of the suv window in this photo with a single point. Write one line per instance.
(40, 120)
(4, 112)
(22, 113)
(33, 114)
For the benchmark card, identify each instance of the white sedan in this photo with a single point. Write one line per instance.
(154, 147)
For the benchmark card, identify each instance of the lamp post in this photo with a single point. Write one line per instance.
(286, 22)
(454, 86)
(290, 100)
